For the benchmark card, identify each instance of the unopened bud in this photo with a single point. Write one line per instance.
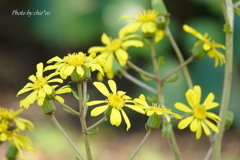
(11, 152)
(162, 22)
(48, 107)
(198, 52)
(154, 121)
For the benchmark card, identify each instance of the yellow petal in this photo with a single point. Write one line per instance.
(98, 110)
(199, 132)
(205, 128)
(198, 93)
(115, 117)
(182, 107)
(112, 86)
(122, 56)
(102, 88)
(23, 91)
(47, 89)
(68, 71)
(209, 99)
(189, 29)
(130, 28)
(151, 27)
(136, 108)
(212, 126)
(191, 98)
(96, 49)
(80, 71)
(194, 125)
(109, 63)
(135, 43)
(125, 17)
(159, 35)
(206, 47)
(105, 39)
(126, 120)
(185, 122)
(39, 69)
(60, 99)
(56, 59)
(91, 103)
(211, 105)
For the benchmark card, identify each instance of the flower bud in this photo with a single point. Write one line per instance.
(154, 121)
(229, 119)
(162, 22)
(11, 152)
(198, 52)
(149, 35)
(51, 96)
(48, 107)
(78, 78)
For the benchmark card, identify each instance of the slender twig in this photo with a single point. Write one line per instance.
(139, 70)
(224, 11)
(83, 120)
(66, 136)
(180, 57)
(190, 59)
(67, 107)
(95, 125)
(138, 82)
(161, 100)
(141, 144)
(216, 147)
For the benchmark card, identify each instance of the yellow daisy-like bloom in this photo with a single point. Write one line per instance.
(147, 21)
(8, 116)
(209, 46)
(75, 61)
(115, 48)
(155, 109)
(199, 112)
(115, 102)
(39, 85)
(19, 141)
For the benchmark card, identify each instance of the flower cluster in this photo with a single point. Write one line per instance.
(11, 125)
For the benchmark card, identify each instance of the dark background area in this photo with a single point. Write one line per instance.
(76, 25)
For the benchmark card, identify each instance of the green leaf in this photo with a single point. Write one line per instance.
(237, 10)
(173, 78)
(93, 131)
(160, 61)
(166, 128)
(75, 94)
(229, 119)
(227, 28)
(77, 158)
(145, 78)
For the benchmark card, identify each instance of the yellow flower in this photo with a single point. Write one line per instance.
(39, 85)
(154, 108)
(115, 102)
(75, 62)
(19, 141)
(8, 116)
(199, 112)
(147, 21)
(208, 45)
(115, 48)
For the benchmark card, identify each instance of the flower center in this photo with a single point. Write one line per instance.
(39, 83)
(75, 59)
(199, 112)
(115, 44)
(147, 16)
(156, 109)
(116, 101)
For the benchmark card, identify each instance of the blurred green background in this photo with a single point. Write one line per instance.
(76, 25)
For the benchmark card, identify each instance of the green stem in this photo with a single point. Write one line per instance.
(141, 144)
(83, 120)
(236, 4)
(216, 146)
(178, 68)
(180, 57)
(66, 136)
(95, 125)
(139, 70)
(224, 11)
(67, 107)
(161, 100)
(138, 82)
